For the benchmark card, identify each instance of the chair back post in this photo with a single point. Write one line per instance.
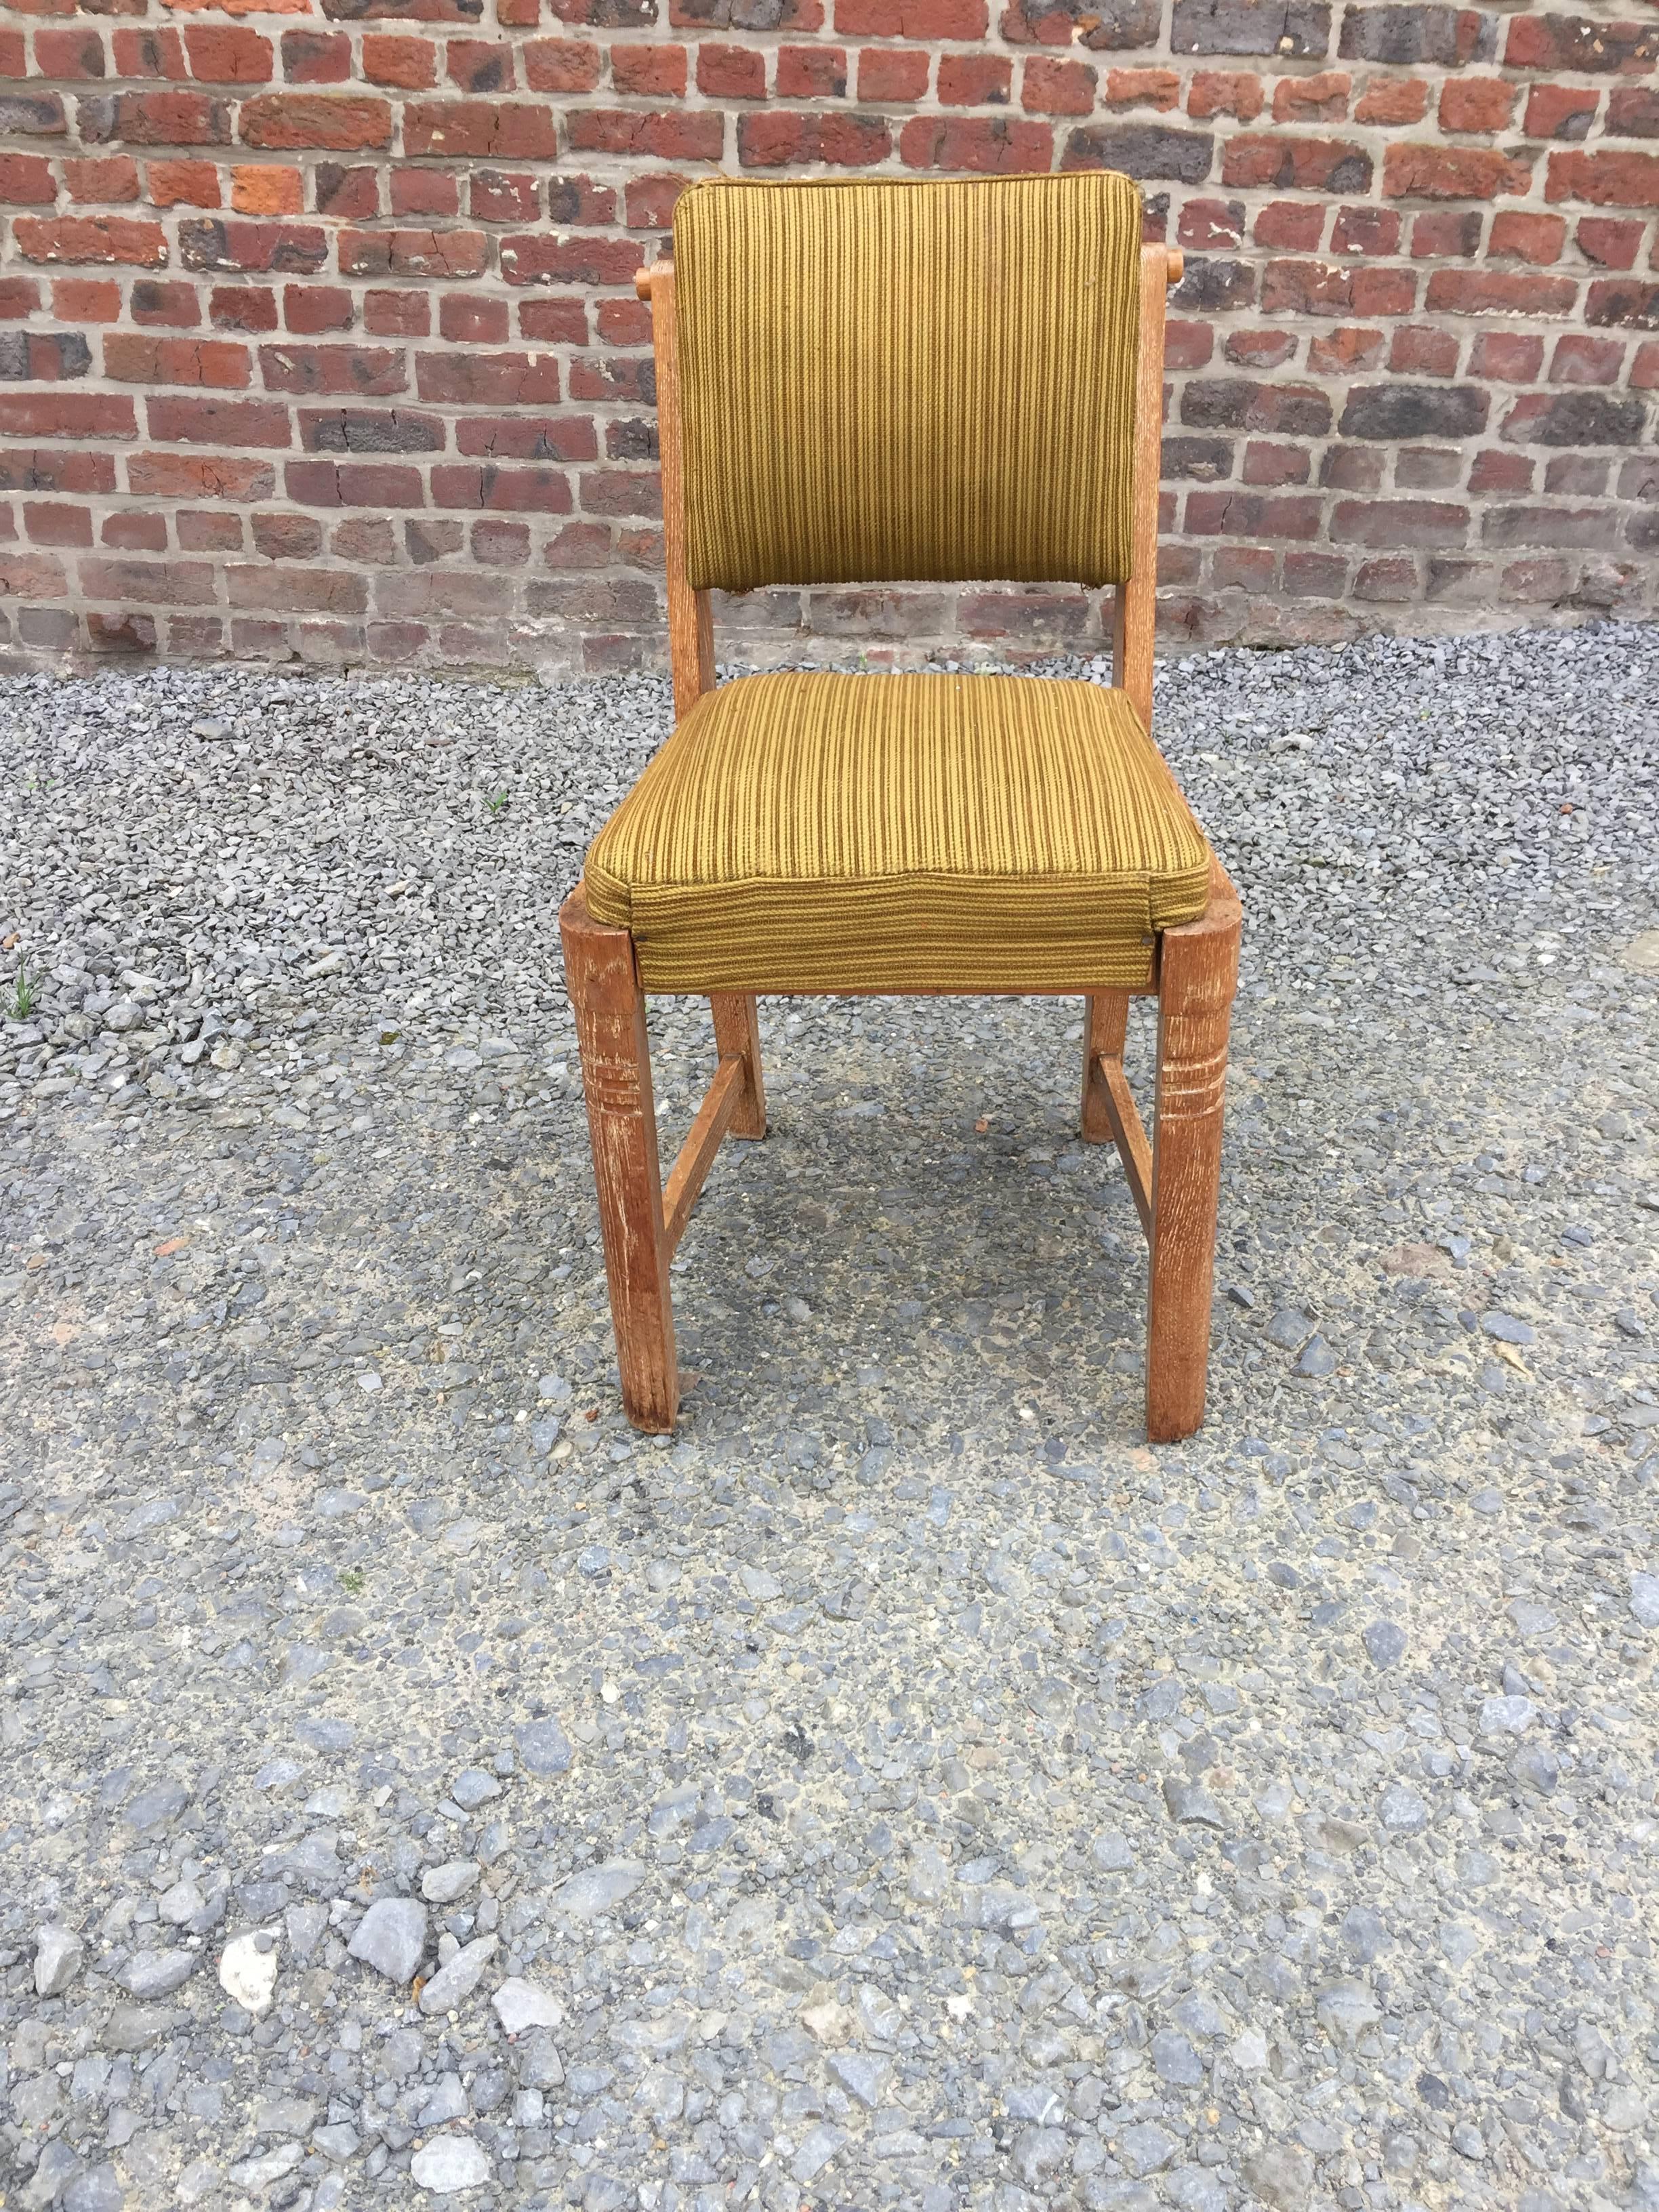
(1135, 617)
(691, 617)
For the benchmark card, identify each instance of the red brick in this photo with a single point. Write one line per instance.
(1334, 353)
(981, 145)
(26, 180)
(218, 422)
(157, 118)
(1047, 88)
(466, 318)
(354, 483)
(480, 65)
(77, 55)
(86, 299)
(780, 139)
(354, 372)
(1492, 470)
(506, 491)
(1390, 102)
(1365, 230)
(523, 437)
(1273, 465)
(1292, 225)
(696, 136)
(338, 123)
(40, 114)
(1260, 348)
(57, 526)
(556, 322)
(297, 591)
(148, 54)
(1421, 349)
(61, 470)
(1633, 112)
(543, 257)
(625, 322)
(1187, 345)
(494, 196)
(173, 304)
(151, 583)
(249, 307)
(20, 297)
(182, 184)
(316, 57)
(287, 537)
(1609, 302)
(397, 314)
(912, 18)
(1494, 292)
(1250, 514)
(566, 66)
(107, 179)
(499, 544)
(134, 358)
(1399, 522)
(1477, 103)
(520, 379)
(651, 199)
(1453, 172)
(1321, 99)
(1223, 92)
(1444, 234)
(654, 72)
(264, 188)
(348, 194)
(1609, 241)
(1506, 357)
(739, 73)
(484, 130)
(449, 253)
(425, 192)
(193, 476)
(1314, 575)
(1535, 238)
(1324, 288)
(1579, 44)
(311, 309)
(132, 532)
(411, 64)
(1560, 110)
(1605, 178)
(252, 247)
(83, 238)
(1134, 87)
(1308, 165)
(1581, 359)
(229, 53)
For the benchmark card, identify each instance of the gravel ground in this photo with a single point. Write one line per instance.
(903, 1788)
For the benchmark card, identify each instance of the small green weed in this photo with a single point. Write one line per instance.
(351, 1581)
(25, 992)
(498, 803)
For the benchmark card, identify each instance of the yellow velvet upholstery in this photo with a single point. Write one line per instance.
(885, 377)
(825, 832)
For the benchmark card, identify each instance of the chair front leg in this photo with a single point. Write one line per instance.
(1198, 975)
(603, 981)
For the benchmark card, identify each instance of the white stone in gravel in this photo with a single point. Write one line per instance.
(391, 1937)
(248, 1973)
(1249, 2051)
(520, 2005)
(267, 2165)
(595, 1890)
(454, 1983)
(758, 1584)
(817, 2147)
(1507, 1716)
(1403, 1811)
(1346, 2010)
(58, 1955)
(1644, 1599)
(443, 1885)
(473, 1787)
(451, 2163)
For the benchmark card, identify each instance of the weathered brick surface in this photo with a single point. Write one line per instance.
(317, 336)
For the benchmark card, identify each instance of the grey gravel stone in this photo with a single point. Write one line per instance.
(544, 1746)
(391, 1937)
(449, 2163)
(455, 1982)
(58, 1955)
(1385, 1643)
(599, 1889)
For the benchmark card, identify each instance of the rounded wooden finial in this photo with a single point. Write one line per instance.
(1174, 263)
(642, 283)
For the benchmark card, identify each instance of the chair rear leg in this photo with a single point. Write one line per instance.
(1105, 1026)
(1198, 975)
(603, 981)
(737, 1030)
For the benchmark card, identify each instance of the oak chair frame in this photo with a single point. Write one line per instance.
(1174, 1175)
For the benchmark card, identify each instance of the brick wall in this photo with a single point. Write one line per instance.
(318, 336)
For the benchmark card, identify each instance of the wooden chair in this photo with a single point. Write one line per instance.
(978, 366)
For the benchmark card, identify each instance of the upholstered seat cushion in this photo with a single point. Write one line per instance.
(824, 832)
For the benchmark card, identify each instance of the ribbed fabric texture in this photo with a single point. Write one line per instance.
(824, 832)
(883, 378)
